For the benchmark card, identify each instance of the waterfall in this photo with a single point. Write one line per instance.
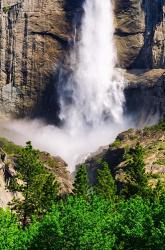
(95, 88)
(91, 98)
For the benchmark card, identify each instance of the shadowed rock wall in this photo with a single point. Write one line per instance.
(34, 35)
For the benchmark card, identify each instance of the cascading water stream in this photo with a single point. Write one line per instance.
(91, 98)
(94, 88)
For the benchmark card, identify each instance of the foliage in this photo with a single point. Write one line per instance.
(158, 127)
(9, 147)
(158, 191)
(137, 179)
(10, 232)
(6, 9)
(81, 183)
(106, 184)
(37, 186)
(134, 224)
(116, 143)
(80, 223)
(141, 225)
(76, 224)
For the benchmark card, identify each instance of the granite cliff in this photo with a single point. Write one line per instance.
(140, 33)
(140, 39)
(35, 36)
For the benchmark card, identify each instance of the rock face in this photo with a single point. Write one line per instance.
(140, 39)
(8, 156)
(152, 140)
(140, 33)
(35, 36)
(145, 95)
(130, 29)
(6, 172)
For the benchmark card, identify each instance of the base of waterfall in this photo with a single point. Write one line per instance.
(72, 146)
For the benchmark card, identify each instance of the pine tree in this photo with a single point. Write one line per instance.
(137, 179)
(158, 191)
(106, 184)
(37, 186)
(81, 182)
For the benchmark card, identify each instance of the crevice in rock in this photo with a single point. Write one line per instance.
(64, 42)
(24, 69)
(121, 33)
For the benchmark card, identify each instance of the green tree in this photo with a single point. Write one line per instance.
(11, 235)
(81, 182)
(75, 224)
(140, 224)
(159, 190)
(157, 235)
(137, 179)
(134, 224)
(106, 184)
(37, 186)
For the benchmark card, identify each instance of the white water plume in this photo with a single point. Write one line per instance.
(95, 88)
(91, 99)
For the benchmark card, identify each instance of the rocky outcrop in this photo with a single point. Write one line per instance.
(140, 39)
(145, 95)
(8, 156)
(130, 29)
(6, 172)
(140, 33)
(152, 139)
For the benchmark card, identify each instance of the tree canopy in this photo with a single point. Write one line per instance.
(82, 220)
(37, 186)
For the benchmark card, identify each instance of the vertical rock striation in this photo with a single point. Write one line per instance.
(33, 36)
